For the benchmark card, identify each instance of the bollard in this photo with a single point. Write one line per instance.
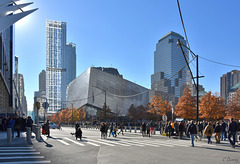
(38, 134)
(9, 135)
(154, 130)
(29, 134)
(135, 129)
(125, 128)
(130, 129)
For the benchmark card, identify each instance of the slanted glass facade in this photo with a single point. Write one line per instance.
(88, 91)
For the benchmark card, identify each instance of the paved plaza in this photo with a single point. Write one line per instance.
(62, 147)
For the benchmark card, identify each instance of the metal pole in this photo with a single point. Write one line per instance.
(197, 90)
(72, 112)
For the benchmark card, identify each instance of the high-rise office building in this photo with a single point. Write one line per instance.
(42, 81)
(227, 81)
(21, 95)
(70, 59)
(55, 66)
(169, 75)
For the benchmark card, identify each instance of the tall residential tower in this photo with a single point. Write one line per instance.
(55, 66)
(169, 77)
(60, 66)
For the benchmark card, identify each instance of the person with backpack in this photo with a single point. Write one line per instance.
(192, 129)
(208, 131)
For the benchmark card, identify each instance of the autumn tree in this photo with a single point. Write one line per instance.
(105, 113)
(55, 117)
(63, 116)
(233, 108)
(73, 115)
(212, 107)
(81, 113)
(186, 107)
(158, 107)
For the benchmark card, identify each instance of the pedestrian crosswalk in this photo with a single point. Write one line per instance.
(128, 141)
(14, 155)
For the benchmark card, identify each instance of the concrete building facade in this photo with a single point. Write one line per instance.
(227, 81)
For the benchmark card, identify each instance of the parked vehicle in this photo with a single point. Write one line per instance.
(53, 126)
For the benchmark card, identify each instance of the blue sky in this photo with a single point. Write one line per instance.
(123, 34)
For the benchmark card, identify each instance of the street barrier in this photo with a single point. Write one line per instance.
(38, 134)
(9, 135)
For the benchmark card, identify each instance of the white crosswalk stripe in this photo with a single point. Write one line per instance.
(101, 142)
(14, 155)
(115, 142)
(74, 141)
(65, 143)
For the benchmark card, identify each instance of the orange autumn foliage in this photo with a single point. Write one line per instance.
(186, 107)
(158, 107)
(212, 107)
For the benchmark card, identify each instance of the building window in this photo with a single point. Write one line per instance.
(170, 40)
(176, 82)
(180, 74)
(162, 75)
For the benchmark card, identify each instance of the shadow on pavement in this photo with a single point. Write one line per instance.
(47, 144)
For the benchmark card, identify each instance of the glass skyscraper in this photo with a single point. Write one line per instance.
(55, 65)
(70, 62)
(169, 77)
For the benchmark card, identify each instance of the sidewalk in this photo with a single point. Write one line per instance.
(15, 140)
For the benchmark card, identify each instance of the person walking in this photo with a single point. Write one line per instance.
(11, 124)
(115, 129)
(29, 122)
(223, 131)
(59, 126)
(217, 131)
(121, 129)
(169, 129)
(103, 130)
(181, 129)
(17, 126)
(208, 131)
(4, 124)
(111, 129)
(78, 133)
(47, 128)
(192, 130)
(143, 129)
(148, 129)
(232, 129)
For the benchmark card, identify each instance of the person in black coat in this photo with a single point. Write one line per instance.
(232, 129)
(217, 131)
(192, 129)
(78, 133)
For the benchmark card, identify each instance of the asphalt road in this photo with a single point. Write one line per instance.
(131, 148)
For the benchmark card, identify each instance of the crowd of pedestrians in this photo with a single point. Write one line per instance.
(196, 131)
(16, 124)
(113, 130)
